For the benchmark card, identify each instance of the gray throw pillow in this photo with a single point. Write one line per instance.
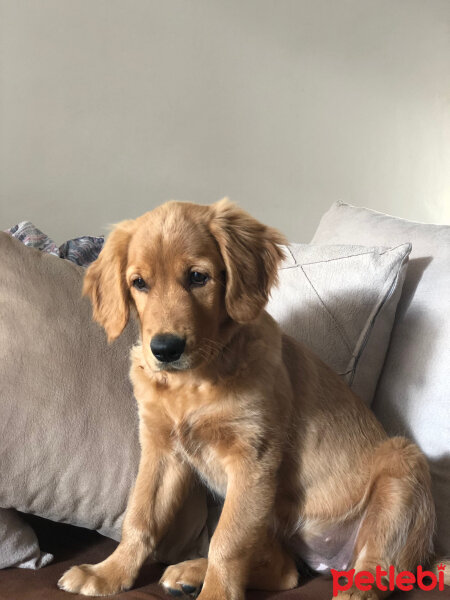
(413, 396)
(340, 301)
(19, 546)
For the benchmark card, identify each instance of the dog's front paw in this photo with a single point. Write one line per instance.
(185, 578)
(93, 580)
(354, 594)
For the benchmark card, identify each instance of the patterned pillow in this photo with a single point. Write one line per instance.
(340, 301)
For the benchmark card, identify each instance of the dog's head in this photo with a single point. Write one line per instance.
(188, 270)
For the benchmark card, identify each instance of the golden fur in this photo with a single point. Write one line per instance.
(260, 418)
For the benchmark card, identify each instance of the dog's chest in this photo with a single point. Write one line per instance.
(207, 435)
(206, 464)
(207, 424)
(206, 442)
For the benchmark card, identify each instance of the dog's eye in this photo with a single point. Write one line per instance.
(196, 278)
(139, 283)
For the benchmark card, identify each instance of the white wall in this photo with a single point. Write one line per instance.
(110, 107)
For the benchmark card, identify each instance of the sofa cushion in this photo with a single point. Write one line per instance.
(341, 301)
(69, 446)
(413, 396)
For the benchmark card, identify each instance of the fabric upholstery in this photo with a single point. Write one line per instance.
(413, 396)
(19, 544)
(341, 301)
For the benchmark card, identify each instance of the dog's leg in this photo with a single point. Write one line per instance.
(161, 485)
(272, 570)
(242, 526)
(398, 525)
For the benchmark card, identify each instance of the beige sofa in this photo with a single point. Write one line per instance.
(409, 395)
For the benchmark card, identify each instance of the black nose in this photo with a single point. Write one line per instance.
(167, 347)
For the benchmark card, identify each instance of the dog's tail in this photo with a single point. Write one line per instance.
(442, 566)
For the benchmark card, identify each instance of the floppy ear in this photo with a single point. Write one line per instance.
(104, 281)
(251, 255)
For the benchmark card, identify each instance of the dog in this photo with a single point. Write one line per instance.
(304, 468)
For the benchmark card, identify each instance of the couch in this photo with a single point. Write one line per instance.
(408, 392)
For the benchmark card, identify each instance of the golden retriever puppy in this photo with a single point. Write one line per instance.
(303, 466)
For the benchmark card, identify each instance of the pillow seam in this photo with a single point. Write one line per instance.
(361, 345)
(326, 260)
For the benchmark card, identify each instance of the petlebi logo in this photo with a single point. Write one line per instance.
(388, 580)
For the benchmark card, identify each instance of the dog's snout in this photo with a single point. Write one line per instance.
(167, 347)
